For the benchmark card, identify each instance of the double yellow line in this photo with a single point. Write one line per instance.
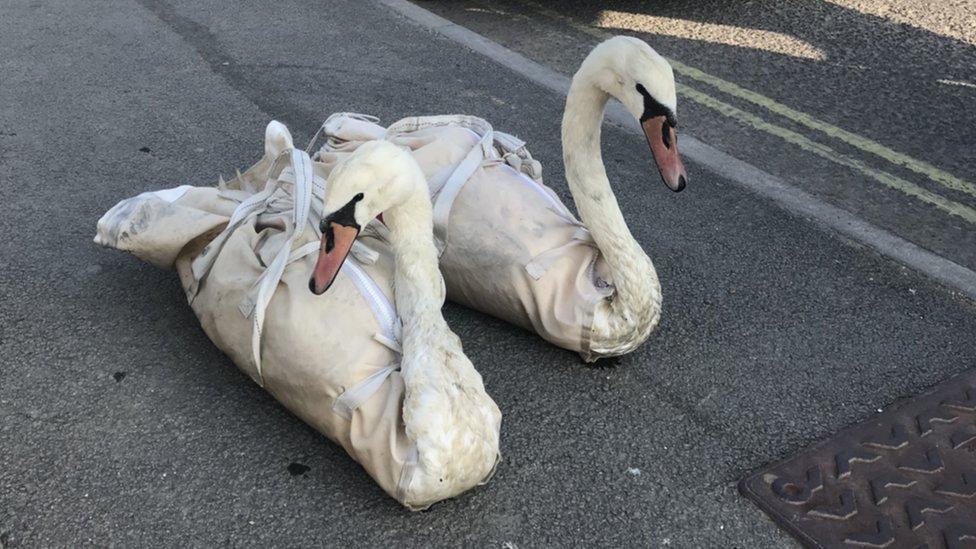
(931, 172)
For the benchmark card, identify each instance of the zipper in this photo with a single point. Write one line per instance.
(537, 187)
(383, 310)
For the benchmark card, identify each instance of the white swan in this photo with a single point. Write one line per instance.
(631, 71)
(446, 411)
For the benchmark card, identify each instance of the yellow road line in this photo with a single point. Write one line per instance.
(790, 136)
(899, 159)
(935, 174)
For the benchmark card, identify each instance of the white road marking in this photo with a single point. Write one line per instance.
(956, 83)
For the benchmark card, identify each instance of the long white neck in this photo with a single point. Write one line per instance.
(638, 291)
(417, 279)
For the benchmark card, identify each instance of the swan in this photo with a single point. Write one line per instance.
(629, 70)
(446, 411)
(394, 390)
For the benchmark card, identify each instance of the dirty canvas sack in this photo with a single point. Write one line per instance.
(244, 251)
(509, 246)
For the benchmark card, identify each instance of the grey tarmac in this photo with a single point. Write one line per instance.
(123, 426)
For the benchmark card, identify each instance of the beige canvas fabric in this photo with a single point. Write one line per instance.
(510, 247)
(244, 252)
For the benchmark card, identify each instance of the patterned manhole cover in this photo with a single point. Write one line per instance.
(905, 478)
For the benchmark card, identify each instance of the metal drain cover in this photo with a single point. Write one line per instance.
(905, 478)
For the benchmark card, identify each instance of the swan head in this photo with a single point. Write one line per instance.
(376, 177)
(630, 70)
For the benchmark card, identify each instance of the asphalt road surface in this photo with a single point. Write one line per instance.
(121, 424)
(867, 104)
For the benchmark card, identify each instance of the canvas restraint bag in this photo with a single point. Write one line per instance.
(509, 246)
(244, 252)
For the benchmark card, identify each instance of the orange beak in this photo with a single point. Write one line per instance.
(663, 139)
(337, 241)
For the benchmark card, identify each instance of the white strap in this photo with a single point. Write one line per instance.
(410, 466)
(508, 142)
(389, 343)
(314, 139)
(267, 283)
(318, 187)
(246, 211)
(436, 181)
(444, 200)
(354, 397)
(540, 264)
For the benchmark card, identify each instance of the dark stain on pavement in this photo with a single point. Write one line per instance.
(118, 376)
(297, 469)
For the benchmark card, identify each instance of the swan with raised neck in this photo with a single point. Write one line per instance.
(631, 71)
(446, 411)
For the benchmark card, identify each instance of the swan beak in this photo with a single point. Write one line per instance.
(663, 139)
(337, 241)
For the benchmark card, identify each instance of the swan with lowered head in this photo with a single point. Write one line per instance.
(446, 410)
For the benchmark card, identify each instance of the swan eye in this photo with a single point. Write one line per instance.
(358, 197)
